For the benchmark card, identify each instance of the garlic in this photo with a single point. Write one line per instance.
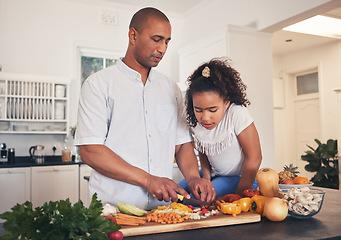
(109, 210)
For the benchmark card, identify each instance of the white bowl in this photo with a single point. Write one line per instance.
(287, 186)
(4, 126)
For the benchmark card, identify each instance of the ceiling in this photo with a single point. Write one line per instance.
(283, 42)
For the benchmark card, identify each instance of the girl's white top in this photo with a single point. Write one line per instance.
(221, 145)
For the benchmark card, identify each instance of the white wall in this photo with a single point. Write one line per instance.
(250, 52)
(41, 36)
(328, 58)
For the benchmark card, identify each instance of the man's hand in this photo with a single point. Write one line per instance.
(164, 189)
(202, 189)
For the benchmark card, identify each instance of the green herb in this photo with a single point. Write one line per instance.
(58, 220)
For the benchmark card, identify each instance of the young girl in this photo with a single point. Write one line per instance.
(222, 128)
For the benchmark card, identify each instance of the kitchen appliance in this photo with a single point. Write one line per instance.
(11, 155)
(3, 151)
(37, 153)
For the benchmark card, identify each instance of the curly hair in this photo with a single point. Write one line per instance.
(222, 79)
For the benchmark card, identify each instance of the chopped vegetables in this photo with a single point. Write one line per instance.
(229, 208)
(129, 220)
(166, 218)
(245, 203)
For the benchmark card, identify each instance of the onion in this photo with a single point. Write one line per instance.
(275, 209)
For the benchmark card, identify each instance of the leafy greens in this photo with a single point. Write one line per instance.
(58, 220)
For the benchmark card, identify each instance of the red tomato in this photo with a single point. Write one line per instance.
(204, 211)
(113, 219)
(231, 198)
(250, 193)
(118, 235)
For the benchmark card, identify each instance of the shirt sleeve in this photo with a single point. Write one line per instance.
(241, 118)
(183, 134)
(92, 118)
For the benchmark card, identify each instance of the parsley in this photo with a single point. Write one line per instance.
(58, 220)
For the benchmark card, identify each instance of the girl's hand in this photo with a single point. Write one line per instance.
(202, 189)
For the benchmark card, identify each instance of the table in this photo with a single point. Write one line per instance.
(325, 225)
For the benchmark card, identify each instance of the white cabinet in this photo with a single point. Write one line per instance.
(53, 183)
(15, 187)
(33, 104)
(84, 195)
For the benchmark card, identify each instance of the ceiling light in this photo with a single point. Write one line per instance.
(318, 25)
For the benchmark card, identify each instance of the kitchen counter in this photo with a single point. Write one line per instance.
(324, 225)
(27, 161)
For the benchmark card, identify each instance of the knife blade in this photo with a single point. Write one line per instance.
(195, 201)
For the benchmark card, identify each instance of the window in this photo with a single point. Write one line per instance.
(92, 60)
(90, 65)
(307, 83)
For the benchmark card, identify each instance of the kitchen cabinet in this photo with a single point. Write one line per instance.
(84, 195)
(53, 183)
(15, 187)
(33, 104)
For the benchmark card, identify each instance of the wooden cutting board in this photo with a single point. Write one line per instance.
(212, 221)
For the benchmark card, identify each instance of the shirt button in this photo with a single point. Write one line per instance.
(150, 160)
(149, 135)
(146, 112)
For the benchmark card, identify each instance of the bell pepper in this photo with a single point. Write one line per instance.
(229, 208)
(245, 203)
(257, 204)
(250, 193)
(231, 198)
(180, 206)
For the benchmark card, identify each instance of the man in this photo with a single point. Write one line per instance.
(131, 124)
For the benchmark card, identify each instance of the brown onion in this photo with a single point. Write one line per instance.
(275, 209)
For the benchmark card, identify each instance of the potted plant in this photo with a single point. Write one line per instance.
(323, 160)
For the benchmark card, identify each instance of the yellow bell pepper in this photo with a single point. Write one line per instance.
(257, 204)
(180, 206)
(230, 208)
(245, 203)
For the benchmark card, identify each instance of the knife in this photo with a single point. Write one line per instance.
(195, 201)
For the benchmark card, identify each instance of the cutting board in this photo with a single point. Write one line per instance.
(212, 221)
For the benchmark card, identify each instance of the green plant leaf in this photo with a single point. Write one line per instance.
(317, 141)
(311, 168)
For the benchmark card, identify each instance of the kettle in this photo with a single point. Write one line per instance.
(37, 153)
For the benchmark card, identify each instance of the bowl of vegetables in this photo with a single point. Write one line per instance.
(303, 202)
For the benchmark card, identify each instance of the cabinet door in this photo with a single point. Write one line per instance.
(14, 188)
(84, 195)
(53, 183)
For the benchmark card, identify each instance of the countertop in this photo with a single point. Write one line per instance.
(27, 161)
(324, 225)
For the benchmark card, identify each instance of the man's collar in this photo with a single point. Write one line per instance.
(131, 73)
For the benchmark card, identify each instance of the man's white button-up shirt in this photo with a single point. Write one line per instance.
(140, 123)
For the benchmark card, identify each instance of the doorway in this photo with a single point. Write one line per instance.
(307, 115)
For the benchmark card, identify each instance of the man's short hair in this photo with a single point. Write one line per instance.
(141, 17)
